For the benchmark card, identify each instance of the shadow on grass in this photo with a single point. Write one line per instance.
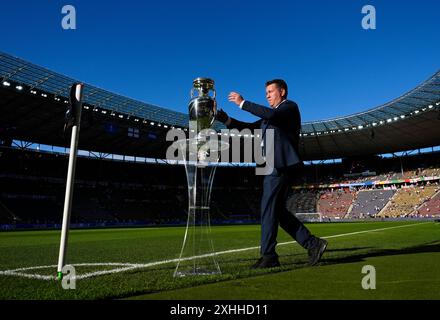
(424, 248)
(289, 264)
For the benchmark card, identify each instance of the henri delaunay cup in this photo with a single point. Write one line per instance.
(197, 256)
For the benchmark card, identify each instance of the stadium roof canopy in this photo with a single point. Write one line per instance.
(36, 77)
(33, 100)
(427, 93)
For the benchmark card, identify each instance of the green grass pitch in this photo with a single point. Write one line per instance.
(405, 255)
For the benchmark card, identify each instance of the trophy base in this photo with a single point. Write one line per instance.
(197, 272)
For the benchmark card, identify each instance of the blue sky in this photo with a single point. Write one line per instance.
(152, 50)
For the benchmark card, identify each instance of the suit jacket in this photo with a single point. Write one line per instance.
(285, 120)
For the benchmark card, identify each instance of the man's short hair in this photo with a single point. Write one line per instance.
(280, 83)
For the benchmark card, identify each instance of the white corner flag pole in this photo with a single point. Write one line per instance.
(76, 106)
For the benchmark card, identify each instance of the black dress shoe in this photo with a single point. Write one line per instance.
(263, 262)
(316, 253)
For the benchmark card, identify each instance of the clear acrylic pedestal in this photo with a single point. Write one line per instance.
(197, 256)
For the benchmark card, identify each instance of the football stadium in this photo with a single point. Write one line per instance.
(130, 205)
(370, 186)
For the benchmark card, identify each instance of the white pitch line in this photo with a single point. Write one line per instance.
(364, 231)
(26, 275)
(134, 266)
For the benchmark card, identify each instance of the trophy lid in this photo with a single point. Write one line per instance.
(205, 83)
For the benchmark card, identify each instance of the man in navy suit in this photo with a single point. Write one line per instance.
(284, 119)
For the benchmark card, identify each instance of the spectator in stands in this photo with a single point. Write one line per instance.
(284, 119)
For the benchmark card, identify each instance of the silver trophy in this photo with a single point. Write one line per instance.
(198, 257)
(202, 107)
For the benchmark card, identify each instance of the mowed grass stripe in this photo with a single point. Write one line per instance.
(146, 246)
(156, 263)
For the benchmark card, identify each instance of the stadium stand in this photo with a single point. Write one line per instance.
(335, 203)
(368, 203)
(302, 201)
(32, 185)
(430, 208)
(407, 200)
(129, 193)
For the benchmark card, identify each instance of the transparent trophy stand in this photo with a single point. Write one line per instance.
(197, 256)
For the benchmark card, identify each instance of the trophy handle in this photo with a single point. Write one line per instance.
(213, 90)
(215, 110)
(192, 92)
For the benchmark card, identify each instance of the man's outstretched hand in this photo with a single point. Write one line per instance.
(235, 98)
(221, 116)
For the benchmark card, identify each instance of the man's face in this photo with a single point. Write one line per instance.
(274, 94)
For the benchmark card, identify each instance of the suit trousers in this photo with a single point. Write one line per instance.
(274, 212)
